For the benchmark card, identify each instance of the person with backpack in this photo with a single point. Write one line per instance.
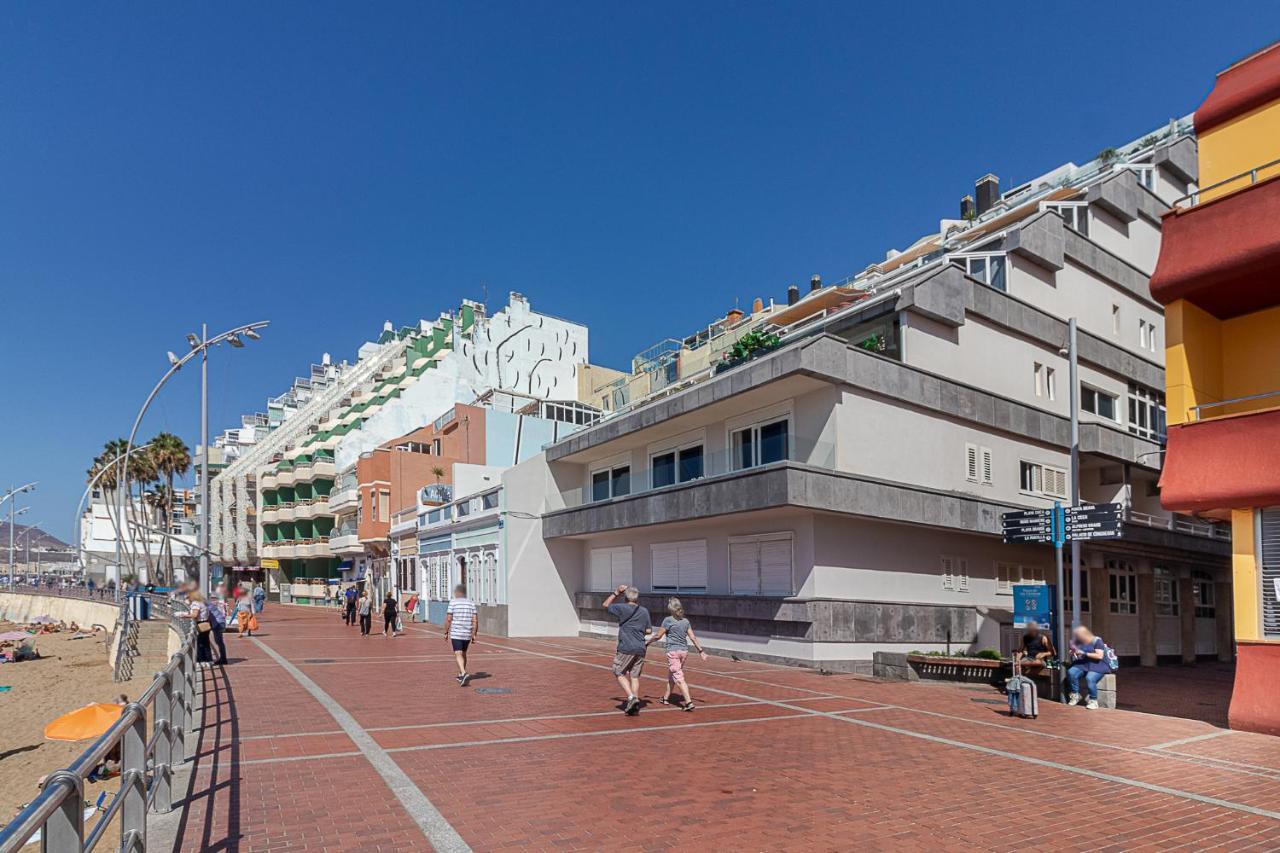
(633, 626)
(218, 622)
(1090, 658)
(349, 613)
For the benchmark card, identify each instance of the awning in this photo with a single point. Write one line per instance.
(344, 565)
(1227, 463)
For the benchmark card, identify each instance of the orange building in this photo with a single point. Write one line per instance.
(1219, 277)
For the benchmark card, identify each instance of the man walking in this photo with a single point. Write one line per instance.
(365, 607)
(460, 628)
(349, 613)
(633, 626)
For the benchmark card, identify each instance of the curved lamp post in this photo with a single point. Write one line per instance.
(199, 346)
(8, 496)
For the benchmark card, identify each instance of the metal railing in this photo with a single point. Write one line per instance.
(146, 764)
(1196, 410)
(126, 641)
(1192, 198)
(1179, 525)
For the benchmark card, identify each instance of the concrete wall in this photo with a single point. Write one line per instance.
(21, 608)
(542, 574)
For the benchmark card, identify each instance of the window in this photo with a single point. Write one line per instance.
(384, 506)
(988, 269)
(1008, 574)
(611, 483)
(1166, 591)
(464, 508)
(1146, 412)
(435, 447)
(955, 573)
(1124, 586)
(676, 466)
(1204, 595)
(1074, 214)
(761, 565)
(1115, 320)
(1046, 381)
(489, 500)
(761, 444)
(1142, 333)
(678, 566)
(977, 464)
(609, 568)
(1084, 589)
(1097, 402)
(1146, 175)
(1037, 479)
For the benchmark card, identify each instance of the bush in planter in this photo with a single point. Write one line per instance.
(752, 344)
(988, 654)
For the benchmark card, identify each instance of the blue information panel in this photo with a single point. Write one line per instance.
(1034, 602)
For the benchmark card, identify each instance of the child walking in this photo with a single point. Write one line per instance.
(679, 634)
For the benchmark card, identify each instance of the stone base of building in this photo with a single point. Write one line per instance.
(1254, 706)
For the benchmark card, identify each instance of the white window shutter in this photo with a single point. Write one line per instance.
(1004, 577)
(621, 566)
(599, 571)
(744, 568)
(971, 462)
(948, 573)
(664, 566)
(986, 466)
(775, 567)
(962, 576)
(693, 564)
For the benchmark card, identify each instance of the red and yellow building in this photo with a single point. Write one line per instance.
(1219, 278)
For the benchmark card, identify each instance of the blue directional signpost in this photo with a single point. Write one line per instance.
(1058, 525)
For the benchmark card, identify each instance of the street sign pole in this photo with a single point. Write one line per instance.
(1059, 536)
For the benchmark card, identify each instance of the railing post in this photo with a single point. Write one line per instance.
(162, 731)
(64, 830)
(133, 780)
(178, 717)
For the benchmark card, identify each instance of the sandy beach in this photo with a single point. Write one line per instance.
(68, 675)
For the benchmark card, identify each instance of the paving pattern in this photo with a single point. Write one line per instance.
(318, 739)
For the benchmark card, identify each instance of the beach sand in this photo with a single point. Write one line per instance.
(68, 675)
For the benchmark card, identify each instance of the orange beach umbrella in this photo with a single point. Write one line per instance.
(84, 723)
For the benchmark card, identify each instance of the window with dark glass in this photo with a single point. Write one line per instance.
(664, 469)
(761, 444)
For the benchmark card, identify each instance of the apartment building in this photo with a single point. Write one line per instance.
(459, 526)
(1216, 278)
(326, 483)
(823, 477)
(141, 536)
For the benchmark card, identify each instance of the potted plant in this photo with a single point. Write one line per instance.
(751, 345)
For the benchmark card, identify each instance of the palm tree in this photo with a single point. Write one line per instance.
(171, 458)
(437, 472)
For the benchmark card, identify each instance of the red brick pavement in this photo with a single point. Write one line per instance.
(774, 758)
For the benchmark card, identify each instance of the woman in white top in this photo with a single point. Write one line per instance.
(199, 612)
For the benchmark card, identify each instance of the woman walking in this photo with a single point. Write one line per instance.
(679, 634)
(389, 609)
(365, 608)
(199, 612)
(244, 615)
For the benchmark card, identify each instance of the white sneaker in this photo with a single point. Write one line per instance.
(1091, 705)
(1074, 699)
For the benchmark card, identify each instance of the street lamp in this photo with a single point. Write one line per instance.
(199, 346)
(26, 536)
(8, 496)
(115, 522)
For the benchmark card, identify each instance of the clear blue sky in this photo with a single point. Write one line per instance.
(329, 166)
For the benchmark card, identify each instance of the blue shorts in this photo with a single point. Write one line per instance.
(459, 645)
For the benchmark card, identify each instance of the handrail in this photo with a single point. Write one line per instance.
(1193, 198)
(1263, 396)
(146, 763)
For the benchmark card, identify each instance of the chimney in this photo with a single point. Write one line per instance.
(967, 208)
(815, 283)
(793, 295)
(757, 305)
(733, 316)
(987, 191)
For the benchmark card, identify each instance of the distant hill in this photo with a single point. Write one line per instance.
(44, 541)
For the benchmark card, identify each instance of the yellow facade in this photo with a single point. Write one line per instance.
(1238, 146)
(1208, 360)
(1244, 576)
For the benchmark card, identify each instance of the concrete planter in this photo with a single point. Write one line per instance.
(965, 670)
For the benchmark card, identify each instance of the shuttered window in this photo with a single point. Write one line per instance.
(955, 573)
(761, 565)
(678, 566)
(1269, 533)
(609, 568)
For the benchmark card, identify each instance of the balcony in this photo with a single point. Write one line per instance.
(1223, 463)
(1223, 254)
(1203, 529)
(404, 522)
(347, 499)
(268, 480)
(285, 511)
(345, 540)
(311, 508)
(323, 467)
(270, 513)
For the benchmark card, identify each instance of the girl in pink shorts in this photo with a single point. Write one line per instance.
(679, 634)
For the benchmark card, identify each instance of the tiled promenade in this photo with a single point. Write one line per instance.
(317, 739)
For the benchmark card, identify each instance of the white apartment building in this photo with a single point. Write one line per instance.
(839, 493)
(140, 532)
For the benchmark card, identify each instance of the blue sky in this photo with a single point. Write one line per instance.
(329, 166)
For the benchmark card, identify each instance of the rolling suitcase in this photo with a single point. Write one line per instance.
(1024, 699)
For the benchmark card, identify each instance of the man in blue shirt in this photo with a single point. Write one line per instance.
(633, 626)
(1088, 658)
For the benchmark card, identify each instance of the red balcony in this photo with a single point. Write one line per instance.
(1224, 255)
(1225, 463)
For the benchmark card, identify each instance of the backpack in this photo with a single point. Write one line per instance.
(1113, 662)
